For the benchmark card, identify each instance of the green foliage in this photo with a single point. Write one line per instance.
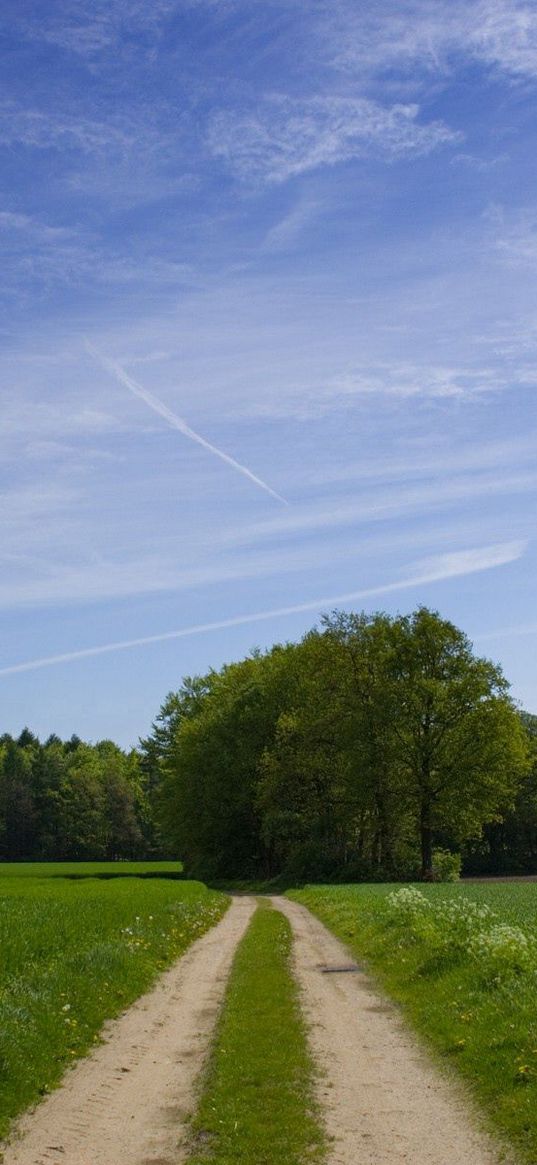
(72, 801)
(257, 1106)
(74, 953)
(350, 754)
(446, 865)
(462, 961)
(509, 844)
(209, 769)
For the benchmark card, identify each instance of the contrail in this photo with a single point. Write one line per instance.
(176, 422)
(443, 567)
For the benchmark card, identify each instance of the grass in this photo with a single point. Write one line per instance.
(74, 953)
(257, 1107)
(477, 1011)
(119, 869)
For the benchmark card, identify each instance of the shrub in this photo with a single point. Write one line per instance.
(446, 865)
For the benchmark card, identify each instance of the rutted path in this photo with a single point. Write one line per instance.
(385, 1103)
(383, 1100)
(127, 1101)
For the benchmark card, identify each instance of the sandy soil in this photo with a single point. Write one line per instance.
(127, 1102)
(384, 1101)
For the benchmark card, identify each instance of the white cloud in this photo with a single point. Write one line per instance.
(435, 35)
(439, 459)
(284, 234)
(514, 236)
(285, 137)
(41, 129)
(422, 497)
(504, 34)
(411, 380)
(89, 29)
(431, 570)
(34, 229)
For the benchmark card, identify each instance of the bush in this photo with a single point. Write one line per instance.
(446, 865)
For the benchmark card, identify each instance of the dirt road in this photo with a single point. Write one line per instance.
(384, 1101)
(127, 1101)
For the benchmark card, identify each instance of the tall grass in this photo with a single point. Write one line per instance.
(74, 953)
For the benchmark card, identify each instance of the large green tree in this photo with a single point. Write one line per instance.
(462, 750)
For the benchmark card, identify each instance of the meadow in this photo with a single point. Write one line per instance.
(78, 943)
(461, 960)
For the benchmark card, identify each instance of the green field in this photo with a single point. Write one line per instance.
(75, 951)
(119, 869)
(462, 962)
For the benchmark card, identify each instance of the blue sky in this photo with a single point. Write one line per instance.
(269, 336)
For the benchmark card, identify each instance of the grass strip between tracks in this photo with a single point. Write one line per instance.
(478, 1015)
(258, 1106)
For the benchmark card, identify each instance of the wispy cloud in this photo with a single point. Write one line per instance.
(177, 422)
(514, 236)
(48, 558)
(425, 496)
(414, 380)
(500, 34)
(431, 570)
(89, 29)
(438, 460)
(47, 129)
(518, 631)
(284, 234)
(38, 231)
(287, 137)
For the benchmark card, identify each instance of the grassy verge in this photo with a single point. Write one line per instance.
(74, 953)
(257, 1107)
(466, 979)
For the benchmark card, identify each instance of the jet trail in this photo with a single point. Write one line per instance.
(176, 422)
(438, 569)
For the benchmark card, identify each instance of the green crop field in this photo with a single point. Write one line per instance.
(77, 949)
(462, 962)
(118, 869)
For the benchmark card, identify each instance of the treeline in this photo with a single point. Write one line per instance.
(352, 754)
(360, 752)
(508, 845)
(70, 800)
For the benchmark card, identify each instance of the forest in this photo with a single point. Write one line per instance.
(373, 749)
(74, 801)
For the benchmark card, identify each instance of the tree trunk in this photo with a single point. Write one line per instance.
(426, 837)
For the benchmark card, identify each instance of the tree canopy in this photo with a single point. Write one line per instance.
(350, 753)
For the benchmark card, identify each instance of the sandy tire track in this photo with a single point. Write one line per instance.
(128, 1100)
(384, 1101)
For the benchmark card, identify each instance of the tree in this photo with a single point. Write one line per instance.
(207, 806)
(17, 802)
(462, 748)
